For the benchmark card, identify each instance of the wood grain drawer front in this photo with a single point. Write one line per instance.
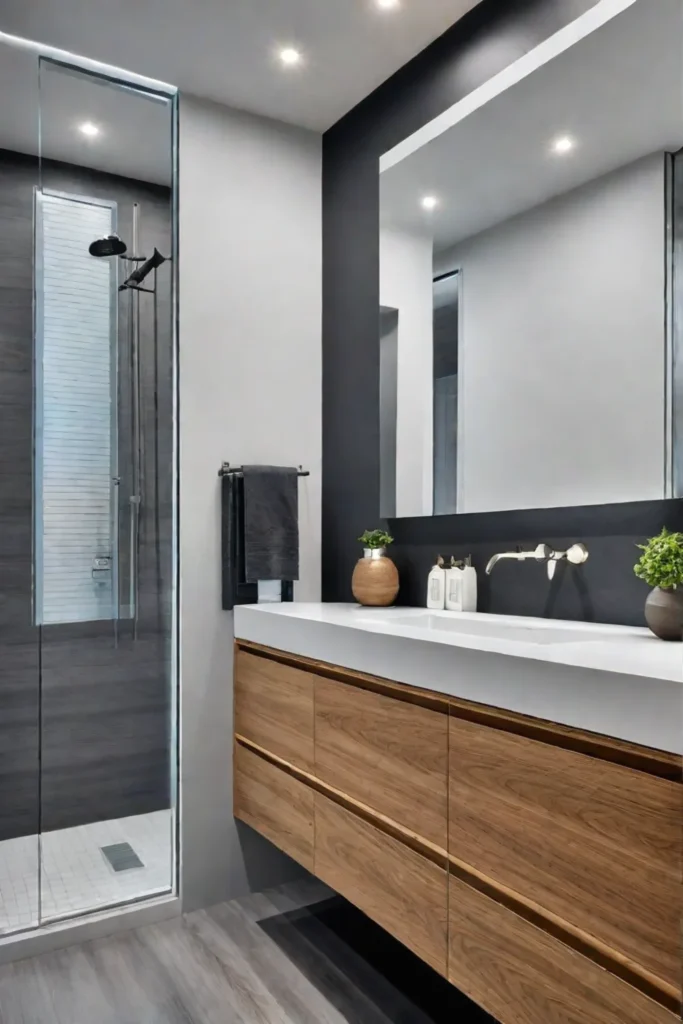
(521, 975)
(274, 707)
(278, 806)
(398, 888)
(388, 754)
(595, 843)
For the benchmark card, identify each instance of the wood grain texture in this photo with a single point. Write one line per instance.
(274, 707)
(661, 763)
(389, 826)
(375, 582)
(294, 955)
(388, 754)
(596, 844)
(564, 930)
(275, 804)
(585, 850)
(605, 748)
(520, 975)
(326, 670)
(399, 889)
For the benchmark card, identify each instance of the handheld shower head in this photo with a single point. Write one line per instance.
(140, 273)
(109, 246)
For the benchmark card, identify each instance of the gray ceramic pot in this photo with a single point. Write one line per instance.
(664, 613)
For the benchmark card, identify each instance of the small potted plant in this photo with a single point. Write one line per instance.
(375, 578)
(661, 566)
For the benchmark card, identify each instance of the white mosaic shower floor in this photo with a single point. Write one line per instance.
(75, 875)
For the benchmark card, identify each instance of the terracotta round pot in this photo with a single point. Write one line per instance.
(375, 579)
(664, 613)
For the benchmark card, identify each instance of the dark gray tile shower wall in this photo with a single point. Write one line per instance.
(491, 36)
(19, 652)
(84, 715)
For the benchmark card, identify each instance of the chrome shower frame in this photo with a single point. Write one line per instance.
(137, 482)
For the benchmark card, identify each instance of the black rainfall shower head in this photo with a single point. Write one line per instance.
(109, 246)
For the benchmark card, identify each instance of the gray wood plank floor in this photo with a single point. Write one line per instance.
(293, 955)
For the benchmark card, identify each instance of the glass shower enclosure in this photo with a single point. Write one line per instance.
(88, 484)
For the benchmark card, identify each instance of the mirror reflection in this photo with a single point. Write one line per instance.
(529, 286)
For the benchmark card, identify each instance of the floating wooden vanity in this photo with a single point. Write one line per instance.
(536, 866)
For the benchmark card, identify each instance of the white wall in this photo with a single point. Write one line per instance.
(406, 285)
(250, 391)
(562, 349)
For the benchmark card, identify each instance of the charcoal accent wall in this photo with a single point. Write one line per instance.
(84, 716)
(490, 37)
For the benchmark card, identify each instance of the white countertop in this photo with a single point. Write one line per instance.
(627, 649)
(618, 680)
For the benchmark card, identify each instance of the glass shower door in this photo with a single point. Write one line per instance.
(19, 636)
(104, 492)
(88, 464)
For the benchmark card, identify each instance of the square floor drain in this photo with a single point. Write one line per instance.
(122, 857)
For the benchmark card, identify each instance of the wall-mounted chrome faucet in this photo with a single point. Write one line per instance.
(577, 554)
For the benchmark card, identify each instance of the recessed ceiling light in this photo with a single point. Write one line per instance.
(563, 144)
(89, 129)
(388, 5)
(289, 56)
(429, 202)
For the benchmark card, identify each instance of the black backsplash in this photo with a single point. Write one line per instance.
(492, 35)
(605, 589)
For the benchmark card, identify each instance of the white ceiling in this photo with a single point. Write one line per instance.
(618, 92)
(41, 113)
(224, 49)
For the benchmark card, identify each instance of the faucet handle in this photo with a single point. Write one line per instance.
(577, 554)
(542, 552)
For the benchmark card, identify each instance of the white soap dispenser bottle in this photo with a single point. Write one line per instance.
(454, 587)
(469, 586)
(436, 587)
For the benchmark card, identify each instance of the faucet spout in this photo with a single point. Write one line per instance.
(541, 553)
(493, 562)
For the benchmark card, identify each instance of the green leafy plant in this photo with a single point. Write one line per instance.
(376, 539)
(661, 564)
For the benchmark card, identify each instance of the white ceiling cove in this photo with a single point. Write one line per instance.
(225, 49)
(618, 94)
(41, 111)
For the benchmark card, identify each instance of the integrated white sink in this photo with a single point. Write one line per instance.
(626, 649)
(534, 631)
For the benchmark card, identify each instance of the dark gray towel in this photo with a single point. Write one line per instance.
(271, 523)
(236, 590)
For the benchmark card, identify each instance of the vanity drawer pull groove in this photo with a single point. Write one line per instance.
(395, 886)
(602, 748)
(573, 839)
(386, 754)
(274, 707)
(274, 803)
(522, 975)
(612, 870)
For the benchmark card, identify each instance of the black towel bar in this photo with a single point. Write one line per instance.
(226, 469)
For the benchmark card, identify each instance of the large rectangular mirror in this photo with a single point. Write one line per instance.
(530, 280)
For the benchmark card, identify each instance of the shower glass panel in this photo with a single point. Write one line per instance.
(104, 491)
(19, 636)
